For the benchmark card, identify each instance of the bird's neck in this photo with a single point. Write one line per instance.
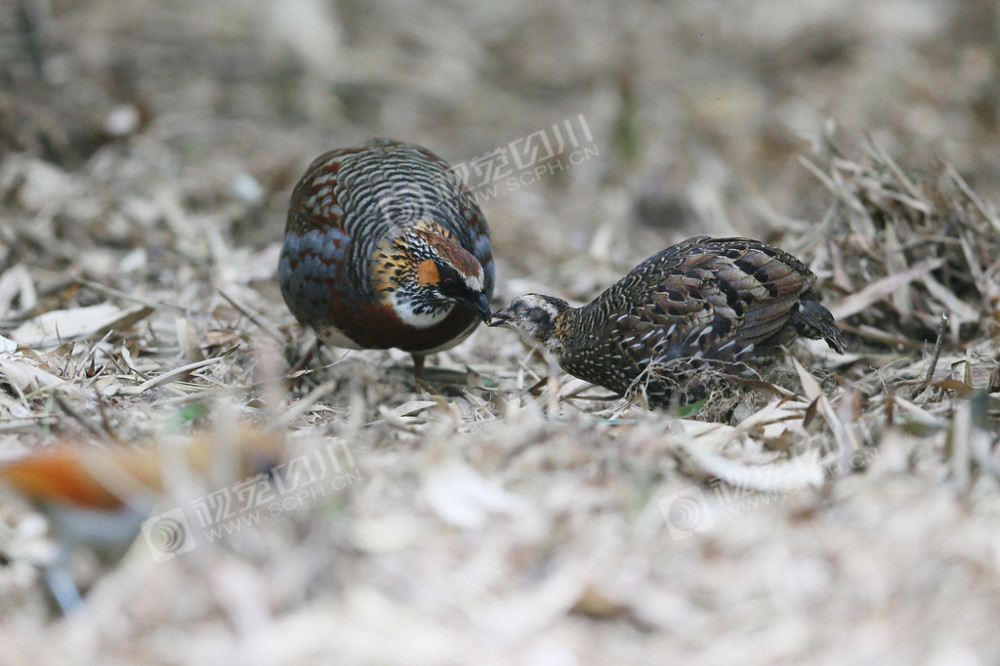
(414, 306)
(395, 283)
(563, 323)
(556, 338)
(395, 280)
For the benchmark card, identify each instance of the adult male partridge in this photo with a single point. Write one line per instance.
(386, 247)
(701, 304)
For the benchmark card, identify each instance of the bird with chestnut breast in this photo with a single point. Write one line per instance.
(705, 304)
(97, 495)
(385, 247)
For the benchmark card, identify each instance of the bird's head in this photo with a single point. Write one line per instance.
(535, 318)
(424, 275)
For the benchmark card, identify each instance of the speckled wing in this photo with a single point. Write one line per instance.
(728, 300)
(723, 299)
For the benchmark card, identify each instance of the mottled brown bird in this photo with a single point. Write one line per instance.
(705, 303)
(386, 247)
(98, 494)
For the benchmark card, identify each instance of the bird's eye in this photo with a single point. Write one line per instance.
(539, 317)
(448, 286)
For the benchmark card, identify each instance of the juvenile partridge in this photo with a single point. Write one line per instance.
(386, 247)
(705, 303)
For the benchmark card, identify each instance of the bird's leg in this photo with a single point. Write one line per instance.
(62, 590)
(418, 365)
(419, 374)
(61, 586)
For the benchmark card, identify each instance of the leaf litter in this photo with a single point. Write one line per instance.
(505, 513)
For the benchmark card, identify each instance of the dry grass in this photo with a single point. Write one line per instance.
(841, 510)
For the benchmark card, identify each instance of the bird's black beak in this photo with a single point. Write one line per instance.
(500, 318)
(480, 304)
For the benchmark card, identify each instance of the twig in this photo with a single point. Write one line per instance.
(105, 421)
(988, 213)
(169, 377)
(299, 408)
(255, 317)
(937, 347)
(304, 359)
(88, 426)
(31, 27)
(922, 204)
(111, 291)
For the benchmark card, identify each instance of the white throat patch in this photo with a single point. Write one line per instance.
(406, 309)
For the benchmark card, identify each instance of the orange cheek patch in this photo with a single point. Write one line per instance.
(427, 273)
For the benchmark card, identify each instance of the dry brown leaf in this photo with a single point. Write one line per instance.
(959, 309)
(802, 471)
(60, 325)
(26, 375)
(169, 377)
(461, 496)
(877, 291)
